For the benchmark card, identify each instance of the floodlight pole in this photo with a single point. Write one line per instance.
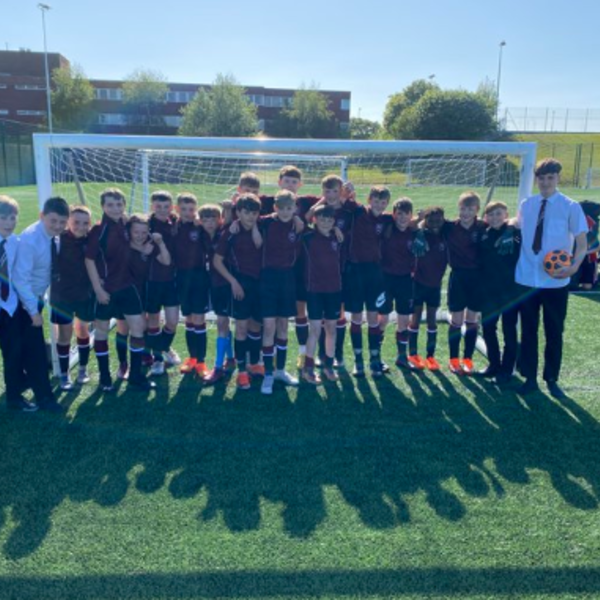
(502, 44)
(43, 8)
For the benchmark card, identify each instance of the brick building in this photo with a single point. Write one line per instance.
(23, 97)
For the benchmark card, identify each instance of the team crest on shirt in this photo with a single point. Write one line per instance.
(442, 247)
(292, 236)
(340, 223)
(334, 245)
(379, 228)
(194, 236)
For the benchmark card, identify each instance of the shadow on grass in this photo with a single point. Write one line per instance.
(356, 583)
(368, 439)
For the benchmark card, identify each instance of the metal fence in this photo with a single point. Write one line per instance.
(548, 119)
(16, 153)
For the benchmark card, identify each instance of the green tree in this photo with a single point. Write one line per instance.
(448, 115)
(72, 97)
(223, 111)
(144, 93)
(407, 98)
(364, 129)
(307, 117)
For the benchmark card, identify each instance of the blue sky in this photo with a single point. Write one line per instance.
(373, 49)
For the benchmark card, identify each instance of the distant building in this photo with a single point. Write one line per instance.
(23, 97)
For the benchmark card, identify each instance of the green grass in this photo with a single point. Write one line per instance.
(415, 486)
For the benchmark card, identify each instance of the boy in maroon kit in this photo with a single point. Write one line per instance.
(398, 264)
(428, 275)
(335, 191)
(220, 293)
(107, 263)
(192, 283)
(71, 297)
(162, 288)
(145, 249)
(323, 278)
(280, 249)
(364, 285)
(238, 259)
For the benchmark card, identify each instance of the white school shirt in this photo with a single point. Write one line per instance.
(563, 221)
(33, 266)
(11, 303)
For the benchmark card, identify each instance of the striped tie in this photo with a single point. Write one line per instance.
(4, 285)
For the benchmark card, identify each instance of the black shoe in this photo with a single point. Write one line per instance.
(142, 384)
(528, 387)
(488, 372)
(377, 369)
(50, 405)
(402, 361)
(503, 379)
(555, 390)
(359, 369)
(21, 405)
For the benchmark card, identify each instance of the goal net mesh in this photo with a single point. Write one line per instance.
(80, 174)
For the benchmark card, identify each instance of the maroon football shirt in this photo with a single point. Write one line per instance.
(322, 264)
(73, 284)
(463, 244)
(139, 265)
(430, 269)
(240, 252)
(108, 246)
(210, 246)
(396, 254)
(189, 247)
(168, 230)
(281, 243)
(364, 244)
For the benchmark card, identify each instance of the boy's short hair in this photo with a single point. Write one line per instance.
(186, 198)
(57, 205)
(492, 206)
(469, 198)
(404, 205)
(249, 202)
(324, 211)
(111, 192)
(209, 211)
(546, 166)
(284, 199)
(330, 182)
(161, 196)
(249, 179)
(380, 192)
(432, 211)
(137, 218)
(80, 208)
(8, 206)
(290, 171)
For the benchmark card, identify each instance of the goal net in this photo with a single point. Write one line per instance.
(592, 178)
(78, 167)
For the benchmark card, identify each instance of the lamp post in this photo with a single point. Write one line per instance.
(43, 8)
(502, 44)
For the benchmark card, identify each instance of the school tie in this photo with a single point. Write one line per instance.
(4, 286)
(539, 228)
(55, 274)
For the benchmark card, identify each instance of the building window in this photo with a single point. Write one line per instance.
(172, 120)
(30, 87)
(115, 94)
(31, 113)
(345, 104)
(3, 111)
(3, 86)
(344, 126)
(112, 119)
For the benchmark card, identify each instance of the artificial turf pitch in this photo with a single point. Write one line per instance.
(411, 486)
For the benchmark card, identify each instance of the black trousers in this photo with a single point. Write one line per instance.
(10, 343)
(34, 357)
(504, 361)
(553, 303)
